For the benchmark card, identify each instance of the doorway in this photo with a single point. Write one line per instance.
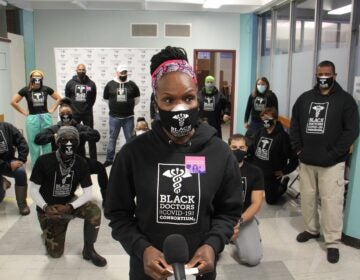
(221, 65)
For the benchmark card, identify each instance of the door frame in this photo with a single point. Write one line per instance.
(233, 69)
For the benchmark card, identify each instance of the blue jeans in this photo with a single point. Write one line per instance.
(115, 124)
(18, 174)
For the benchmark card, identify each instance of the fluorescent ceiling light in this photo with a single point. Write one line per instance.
(342, 10)
(212, 4)
(80, 4)
(3, 3)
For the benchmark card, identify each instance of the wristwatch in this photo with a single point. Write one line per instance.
(241, 220)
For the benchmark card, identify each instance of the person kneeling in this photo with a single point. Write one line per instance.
(246, 233)
(54, 180)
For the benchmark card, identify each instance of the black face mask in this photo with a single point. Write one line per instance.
(66, 118)
(268, 123)
(239, 154)
(325, 82)
(123, 78)
(179, 123)
(36, 81)
(81, 75)
(67, 150)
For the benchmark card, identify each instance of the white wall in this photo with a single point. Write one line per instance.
(112, 29)
(18, 80)
(5, 86)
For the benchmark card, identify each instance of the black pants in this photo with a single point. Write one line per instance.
(273, 190)
(98, 168)
(88, 119)
(137, 271)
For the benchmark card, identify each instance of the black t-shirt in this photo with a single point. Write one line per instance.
(55, 188)
(121, 98)
(36, 99)
(252, 180)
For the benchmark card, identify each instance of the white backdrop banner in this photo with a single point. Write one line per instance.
(101, 66)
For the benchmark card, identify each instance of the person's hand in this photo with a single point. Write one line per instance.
(15, 164)
(63, 209)
(203, 259)
(155, 265)
(236, 232)
(246, 125)
(279, 174)
(226, 118)
(51, 212)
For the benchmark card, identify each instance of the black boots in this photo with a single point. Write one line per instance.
(89, 253)
(21, 193)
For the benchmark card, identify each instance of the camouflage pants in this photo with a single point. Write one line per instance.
(54, 229)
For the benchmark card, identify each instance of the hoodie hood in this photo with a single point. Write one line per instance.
(76, 79)
(203, 134)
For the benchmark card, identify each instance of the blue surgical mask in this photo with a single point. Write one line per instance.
(261, 88)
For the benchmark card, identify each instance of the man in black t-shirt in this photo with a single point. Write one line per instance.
(122, 95)
(246, 233)
(54, 180)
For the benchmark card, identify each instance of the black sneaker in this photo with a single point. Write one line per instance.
(333, 255)
(107, 163)
(306, 236)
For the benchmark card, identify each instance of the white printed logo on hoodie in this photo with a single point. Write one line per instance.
(317, 118)
(178, 195)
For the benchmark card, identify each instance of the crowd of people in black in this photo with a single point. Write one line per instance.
(178, 176)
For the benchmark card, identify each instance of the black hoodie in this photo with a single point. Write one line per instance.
(212, 106)
(323, 127)
(86, 133)
(10, 137)
(272, 152)
(82, 94)
(151, 170)
(258, 103)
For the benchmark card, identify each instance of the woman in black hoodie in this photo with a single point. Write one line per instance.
(261, 97)
(272, 153)
(156, 170)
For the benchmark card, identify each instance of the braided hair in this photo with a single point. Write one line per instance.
(166, 54)
(66, 102)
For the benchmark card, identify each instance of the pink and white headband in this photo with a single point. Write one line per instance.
(175, 65)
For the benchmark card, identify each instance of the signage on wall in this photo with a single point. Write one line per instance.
(101, 66)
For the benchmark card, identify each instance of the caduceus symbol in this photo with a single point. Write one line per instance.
(318, 109)
(176, 174)
(181, 118)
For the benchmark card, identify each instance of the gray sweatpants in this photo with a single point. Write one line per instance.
(248, 243)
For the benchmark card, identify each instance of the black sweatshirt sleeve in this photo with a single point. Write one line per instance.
(248, 109)
(295, 132)
(106, 92)
(93, 96)
(86, 133)
(228, 204)
(46, 136)
(225, 104)
(20, 143)
(68, 89)
(120, 207)
(350, 130)
(291, 158)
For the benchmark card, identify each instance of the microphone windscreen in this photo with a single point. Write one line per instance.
(175, 249)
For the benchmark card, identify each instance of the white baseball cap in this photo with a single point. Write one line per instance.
(121, 68)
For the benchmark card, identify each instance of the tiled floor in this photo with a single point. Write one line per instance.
(22, 255)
